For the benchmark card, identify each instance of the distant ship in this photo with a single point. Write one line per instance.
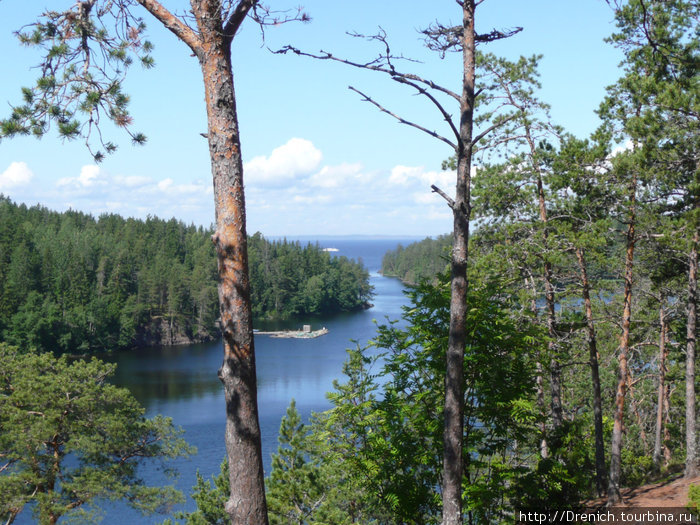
(331, 250)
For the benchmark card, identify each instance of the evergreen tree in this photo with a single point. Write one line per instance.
(69, 438)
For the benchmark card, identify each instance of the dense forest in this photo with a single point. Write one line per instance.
(73, 283)
(422, 260)
(288, 279)
(554, 363)
(579, 363)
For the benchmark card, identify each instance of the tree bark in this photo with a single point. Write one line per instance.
(663, 354)
(616, 448)
(454, 377)
(595, 376)
(667, 423)
(246, 504)
(691, 461)
(555, 365)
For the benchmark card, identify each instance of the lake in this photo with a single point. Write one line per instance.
(181, 382)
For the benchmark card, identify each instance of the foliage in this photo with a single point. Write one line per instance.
(84, 66)
(289, 279)
(418, 261)
(69, 437)
(694, 497)
(295, 487)
(210, 501)
(381, 443)
(73, 283)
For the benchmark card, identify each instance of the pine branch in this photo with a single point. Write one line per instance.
(172, 23)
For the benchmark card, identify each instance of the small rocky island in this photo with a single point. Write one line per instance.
(304, 333)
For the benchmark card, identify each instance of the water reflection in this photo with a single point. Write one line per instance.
(181, 382)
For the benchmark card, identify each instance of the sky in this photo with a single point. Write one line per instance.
(317, 159)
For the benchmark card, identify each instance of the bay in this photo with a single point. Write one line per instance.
(181, 382)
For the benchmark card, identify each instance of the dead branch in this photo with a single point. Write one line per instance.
(450, 200)
(442, 38)
(402, 120)
(379, 64)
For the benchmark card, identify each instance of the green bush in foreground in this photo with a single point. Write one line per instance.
(69, 437)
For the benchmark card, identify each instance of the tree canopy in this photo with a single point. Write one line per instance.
(69, 437)
(74, 283)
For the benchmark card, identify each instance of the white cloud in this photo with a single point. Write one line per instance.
(335, 176)
(312, 199)
(402, 175)
(290, 191)
(132, 181)
(165, 184)
(17, 174)
(297, 158)
(90, 176)
(425, 197)
(412, 175)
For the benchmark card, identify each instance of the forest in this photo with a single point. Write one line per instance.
(419, 261)
(72, 283)
(549, 367)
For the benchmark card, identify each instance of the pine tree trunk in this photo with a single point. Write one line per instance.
(634, 406)
(616, 448)
(667, 423)
(663, 354)
(691, 460)
(246, 504)
(595, 376)
(555, 364)
(454, 377)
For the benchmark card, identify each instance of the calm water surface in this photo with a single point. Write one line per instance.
(181, 382)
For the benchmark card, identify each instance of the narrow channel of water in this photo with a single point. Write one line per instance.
(181, 382)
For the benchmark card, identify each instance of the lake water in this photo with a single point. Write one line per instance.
(181, 382)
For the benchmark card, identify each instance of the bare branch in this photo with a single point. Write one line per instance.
(237, 16)
(497, 35)
(378, 64)
(450, 200)
(422, 91)
(381, 108)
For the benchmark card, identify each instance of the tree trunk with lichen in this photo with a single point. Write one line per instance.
(691, 460)
(453, 461)
(246, 504)
(595, 374)
(661, 391)
(614, 496)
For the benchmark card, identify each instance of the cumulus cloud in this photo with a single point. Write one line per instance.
(295, 159)
(290, 191)
(336, 176)
(411, 175)
(95, 190)
(347, 198)
(132, 181)
(90, 176)
(17, 174)
(621, 148)
(311, 199)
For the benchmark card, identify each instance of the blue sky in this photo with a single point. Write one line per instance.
(318, 160)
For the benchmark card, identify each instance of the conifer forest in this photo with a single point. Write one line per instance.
(545, 357)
